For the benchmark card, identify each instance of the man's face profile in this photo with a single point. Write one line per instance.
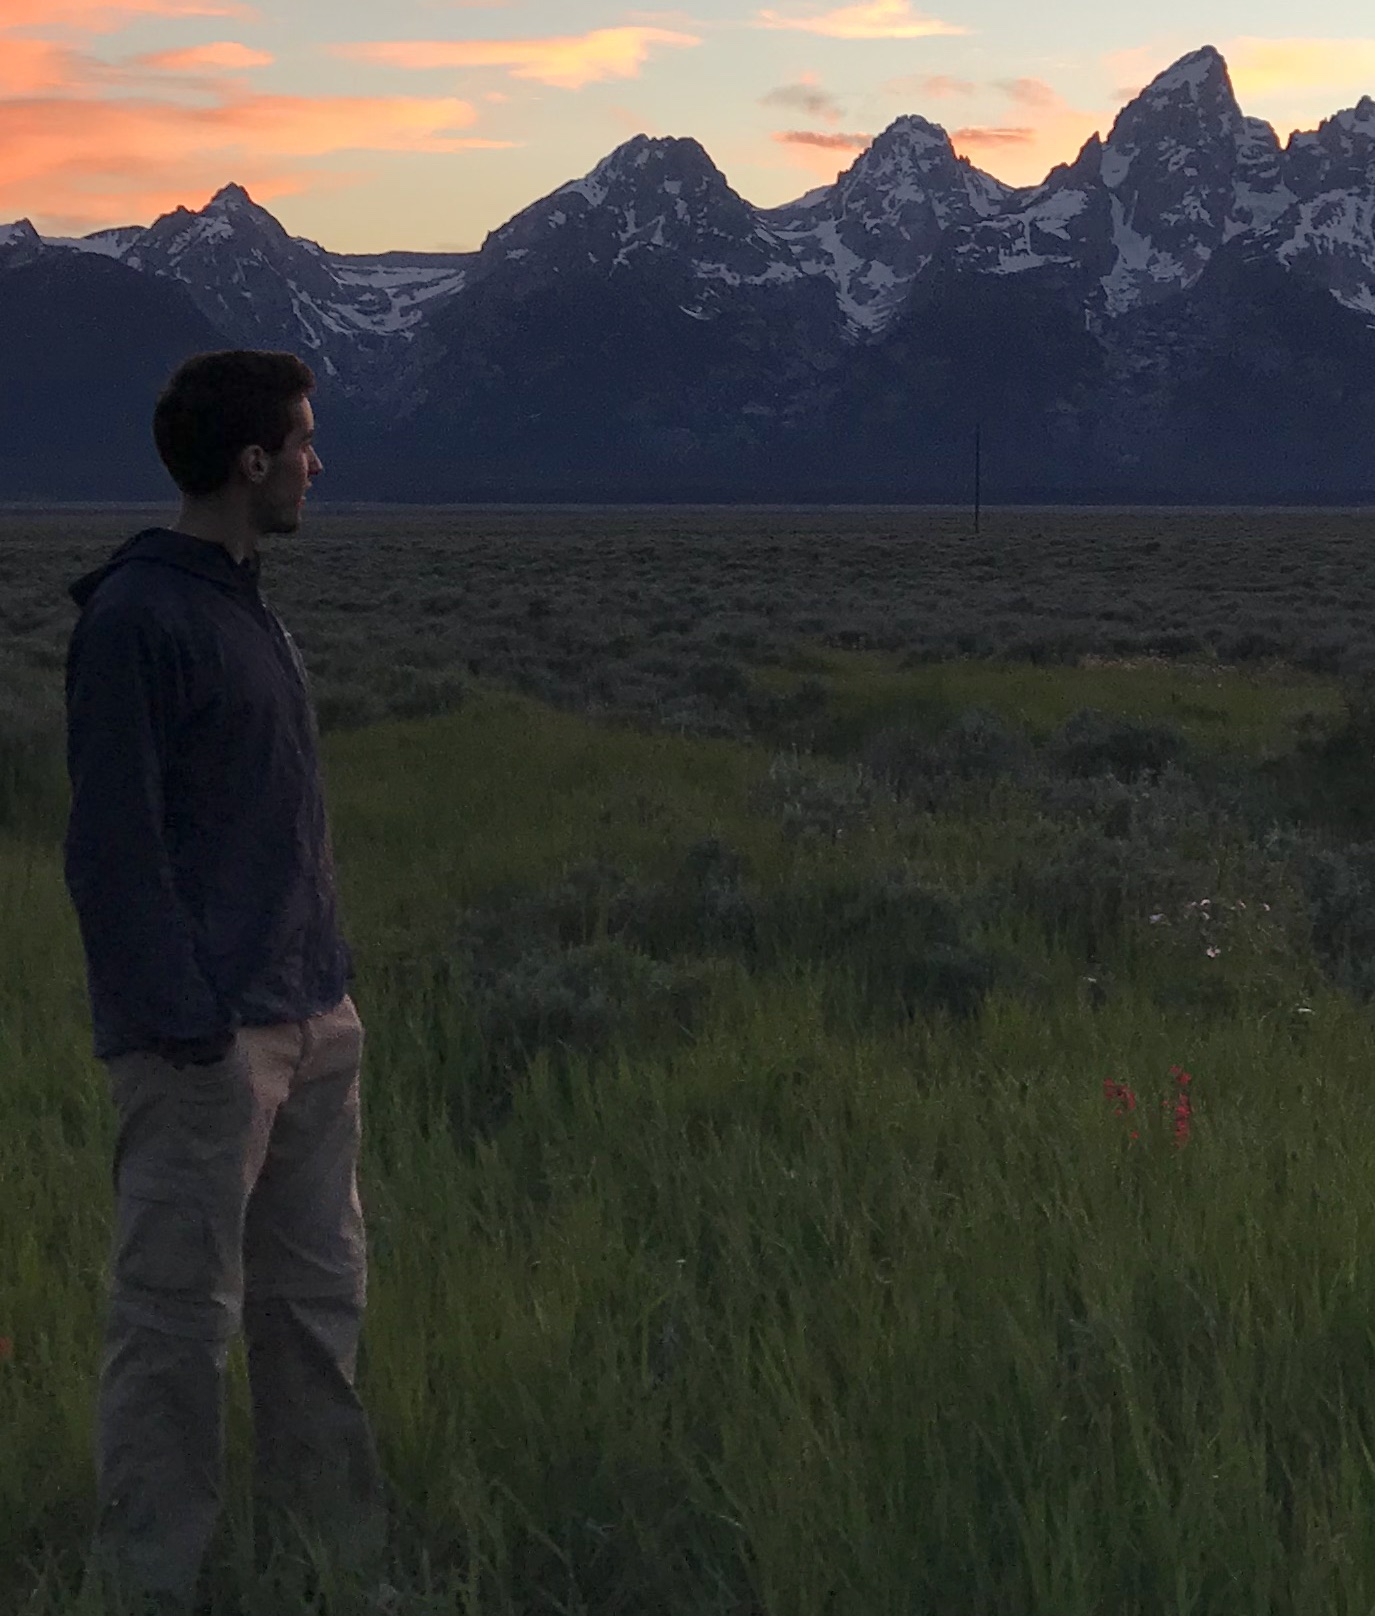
(278, 495)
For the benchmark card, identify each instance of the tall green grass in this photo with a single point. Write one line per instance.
(803, 1310)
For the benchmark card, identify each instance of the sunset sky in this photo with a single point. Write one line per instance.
(426, 123)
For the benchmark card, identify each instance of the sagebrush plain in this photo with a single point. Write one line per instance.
(780, 938)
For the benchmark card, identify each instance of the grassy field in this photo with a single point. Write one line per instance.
(783, 1193)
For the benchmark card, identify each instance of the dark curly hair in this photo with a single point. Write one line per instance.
(217, 404)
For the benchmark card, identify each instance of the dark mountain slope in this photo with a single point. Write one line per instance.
(85, 346)
(1009, 355)
(1256, 383)
(628, 382)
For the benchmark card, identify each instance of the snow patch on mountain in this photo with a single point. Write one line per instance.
(877, 228)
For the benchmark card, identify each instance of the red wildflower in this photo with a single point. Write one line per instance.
(1183, 1111)
(1121, 1095)
(6, 1349)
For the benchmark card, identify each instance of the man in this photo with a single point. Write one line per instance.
(199, 862)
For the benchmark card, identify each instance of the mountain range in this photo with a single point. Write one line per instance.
(1185, 311)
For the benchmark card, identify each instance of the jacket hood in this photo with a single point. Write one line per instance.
(169, 548)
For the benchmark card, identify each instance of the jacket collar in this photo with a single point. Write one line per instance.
(170, 548)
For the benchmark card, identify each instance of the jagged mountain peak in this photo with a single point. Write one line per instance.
(229, 214)
(648, 162)
(876, 229)
(1192, 97)
(19, 242)
(231, 198)
(651, 194)
(1352, 127)
(1200, 74)
(912, 163)
(1338, 155)
(914, 132)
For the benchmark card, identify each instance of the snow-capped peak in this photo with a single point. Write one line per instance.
(230, 199)
(650, 197)
(645, 159)
(1200, 74)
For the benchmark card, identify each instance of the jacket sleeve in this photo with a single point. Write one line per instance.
(138, 937)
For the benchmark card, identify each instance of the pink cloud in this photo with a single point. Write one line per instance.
(1048, 130)
(224, 55)
(88, 162)
(823, 139)
(104, 16)
(38, 67)
(567, 62)
(939, 86)
(984, 135)
(1031, 93)
(869, 19)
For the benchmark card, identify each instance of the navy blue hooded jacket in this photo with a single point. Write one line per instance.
(198, 854)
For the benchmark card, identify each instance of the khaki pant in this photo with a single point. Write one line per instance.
(236, 1206)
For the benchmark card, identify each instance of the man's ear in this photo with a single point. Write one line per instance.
(253, 462)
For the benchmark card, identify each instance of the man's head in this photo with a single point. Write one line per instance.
(238, 427)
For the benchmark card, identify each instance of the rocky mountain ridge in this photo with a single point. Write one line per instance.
(646, 327)
(1134, 218)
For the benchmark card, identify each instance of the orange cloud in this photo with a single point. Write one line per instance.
(1048, 131)
(984, 135)
(83, 163)
(37, 67)
(223, 55)
(1266, 65)
(567, 62)
(1289, 70)
(826, 141)
(870, 19)
(939, 86)
(104, 16)
(1030, 93)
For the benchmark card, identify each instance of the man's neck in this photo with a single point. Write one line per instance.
(216, 524)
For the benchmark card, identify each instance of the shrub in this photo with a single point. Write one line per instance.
(977, 747)
(33, 779)
(1340, 888)
(902, 945)
(1329, 777)
(1093, 884)
(347, 707)
(1091, 743)
(814, 800)
(585, 999)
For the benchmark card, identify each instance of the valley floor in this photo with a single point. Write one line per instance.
(783, 1191)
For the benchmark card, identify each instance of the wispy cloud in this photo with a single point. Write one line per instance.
(823, 139)
(806, 96)
(224, 55)
(991, 135)
(1045, 130)
(870, 19)
(1034, 93)
(87, 161)
(104, 16)
(938, 86)
(567, 62)
(37, 66)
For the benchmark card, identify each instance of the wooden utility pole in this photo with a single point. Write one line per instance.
(978, 474)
